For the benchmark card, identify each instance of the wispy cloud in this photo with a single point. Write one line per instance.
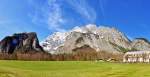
(101, 6)
(84, 9)
(50, 13)
(55, 18)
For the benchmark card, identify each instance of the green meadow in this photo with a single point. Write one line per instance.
(72, 69)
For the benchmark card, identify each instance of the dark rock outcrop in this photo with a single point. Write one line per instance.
(20, 42)
(85, 48)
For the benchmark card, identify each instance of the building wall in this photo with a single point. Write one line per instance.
(137, 56)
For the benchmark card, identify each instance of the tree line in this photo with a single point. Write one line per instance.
(74, 56)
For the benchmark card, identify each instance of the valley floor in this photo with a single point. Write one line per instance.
(71, 69)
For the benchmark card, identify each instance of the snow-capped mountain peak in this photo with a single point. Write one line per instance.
(95, 37)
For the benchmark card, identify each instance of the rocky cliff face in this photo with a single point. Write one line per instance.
(141, 44)
(98, 38)
(20, 42)
(78, 40)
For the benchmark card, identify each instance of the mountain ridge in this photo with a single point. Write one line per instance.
(99, 38)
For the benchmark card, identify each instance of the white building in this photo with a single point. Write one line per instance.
(137, 56)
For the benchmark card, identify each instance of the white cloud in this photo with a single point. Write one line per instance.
(55, 19)
(49, 13)
(101, 6)
(82, 7)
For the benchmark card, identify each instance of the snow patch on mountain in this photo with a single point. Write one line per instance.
(52, 42)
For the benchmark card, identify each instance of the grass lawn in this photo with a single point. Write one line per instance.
(71, 69)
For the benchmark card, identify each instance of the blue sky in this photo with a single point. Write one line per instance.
(47, 16)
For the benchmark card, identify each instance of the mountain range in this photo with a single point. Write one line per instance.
(99, 39)
(85, 38)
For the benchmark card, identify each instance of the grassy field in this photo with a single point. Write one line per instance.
(72, 69)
